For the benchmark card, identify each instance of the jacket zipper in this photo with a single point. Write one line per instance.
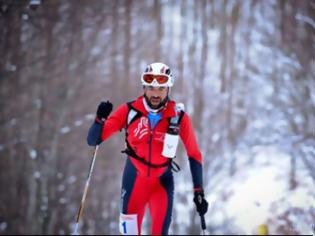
(150, 151)
(150, 143)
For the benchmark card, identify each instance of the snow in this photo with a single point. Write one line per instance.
(182, 210)
(105, 214)
(59, 175)
(305, 19)
(65, 129)
(13, 122)
(3, 226)
(72, 66)
(33, 154)
(258, 124)
(261, 193)
(78, 122)
(96, 51)
(298, 118)
(72, 179)
(36, 174)
(215, 137)
(90, 116)
(61, 188)
(44, 207)
(63, 200)
(38, 103)
(295, 199)
(25, 16)
(252, 198)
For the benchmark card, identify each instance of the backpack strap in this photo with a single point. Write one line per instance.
(130, 152)
(133, 115)
(174, 125)
(174, 122)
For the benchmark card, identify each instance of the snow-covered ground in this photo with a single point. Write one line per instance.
(260, 194)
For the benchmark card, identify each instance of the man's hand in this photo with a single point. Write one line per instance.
(200, 202)
(104, 109)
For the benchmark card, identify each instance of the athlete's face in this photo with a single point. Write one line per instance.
(155, 95)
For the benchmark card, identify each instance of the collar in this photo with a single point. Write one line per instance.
(146, 106)
(167, 111)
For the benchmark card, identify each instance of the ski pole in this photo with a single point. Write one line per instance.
(85, 192)
(202, 218)
(203, 224)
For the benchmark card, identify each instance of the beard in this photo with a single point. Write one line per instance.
(153, 102)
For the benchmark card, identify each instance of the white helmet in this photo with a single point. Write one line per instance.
(158, 75)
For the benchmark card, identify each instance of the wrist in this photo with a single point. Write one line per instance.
(99, 120)
(198, 191)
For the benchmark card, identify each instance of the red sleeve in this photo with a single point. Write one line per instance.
(115, 122)
(188, 137)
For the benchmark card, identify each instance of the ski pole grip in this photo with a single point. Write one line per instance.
(203, 222)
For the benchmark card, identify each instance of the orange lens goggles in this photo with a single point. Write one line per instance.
(161, 79)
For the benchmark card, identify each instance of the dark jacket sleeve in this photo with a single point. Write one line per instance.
(94, 134)
(196, 172)
(189, 139)
(102, 130)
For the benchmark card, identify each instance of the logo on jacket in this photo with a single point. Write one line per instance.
(142, 129)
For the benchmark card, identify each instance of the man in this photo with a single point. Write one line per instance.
(153, 123)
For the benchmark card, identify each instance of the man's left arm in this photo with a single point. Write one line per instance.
(188, 137)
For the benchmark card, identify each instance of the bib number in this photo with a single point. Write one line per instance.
(128, 224)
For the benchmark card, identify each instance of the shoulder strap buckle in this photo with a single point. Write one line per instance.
(179, 110)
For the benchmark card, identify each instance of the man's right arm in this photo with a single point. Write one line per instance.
(104, 127)
(95, 131)
(94, 134)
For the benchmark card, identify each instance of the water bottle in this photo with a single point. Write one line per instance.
(171, 141)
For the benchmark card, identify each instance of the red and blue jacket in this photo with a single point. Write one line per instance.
(147, 142)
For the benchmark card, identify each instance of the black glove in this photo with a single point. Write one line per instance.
(104, 109)
(201, 202)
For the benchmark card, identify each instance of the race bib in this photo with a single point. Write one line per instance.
(128, 224)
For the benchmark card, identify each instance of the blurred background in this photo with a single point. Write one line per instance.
(245, 71)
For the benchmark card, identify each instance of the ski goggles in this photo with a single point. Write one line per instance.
(160, 79)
